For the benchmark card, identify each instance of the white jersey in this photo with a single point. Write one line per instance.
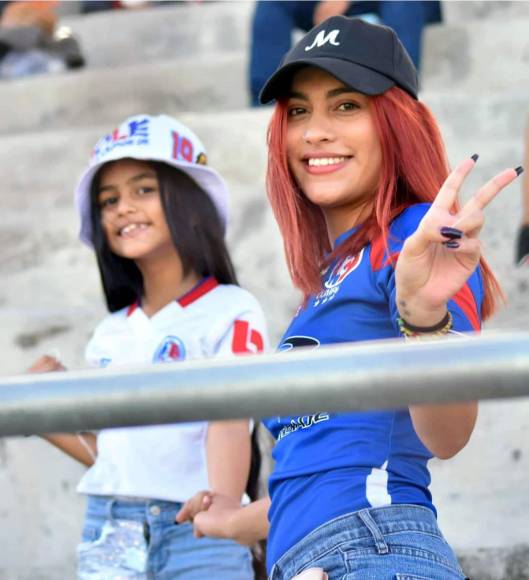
(168, 461)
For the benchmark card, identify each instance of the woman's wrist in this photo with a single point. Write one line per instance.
(420, 315)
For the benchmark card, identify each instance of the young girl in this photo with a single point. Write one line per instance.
(156, 215)
(359, 184)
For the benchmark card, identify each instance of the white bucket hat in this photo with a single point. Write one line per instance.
(149, 138)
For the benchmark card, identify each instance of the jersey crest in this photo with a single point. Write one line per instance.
(335, 277)
(171, 349)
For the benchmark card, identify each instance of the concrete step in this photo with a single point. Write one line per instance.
(147, 74)
(459, 11)
(97, 96)
(150, 35)
(126, 37)
(477, 55)
(479, 115)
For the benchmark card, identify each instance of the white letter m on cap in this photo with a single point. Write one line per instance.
(321, 39)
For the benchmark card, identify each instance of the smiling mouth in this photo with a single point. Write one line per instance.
(132, 229)
(325, 161)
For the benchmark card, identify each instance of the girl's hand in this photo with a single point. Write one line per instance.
(46, 364)
(217, 521)
(439, 257)
(199, 502)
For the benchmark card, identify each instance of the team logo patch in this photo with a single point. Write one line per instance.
(336, 276)
(171, 349)
(298, 341)
(135, 132)
(202, 159)
(340, 272)
(246, 339)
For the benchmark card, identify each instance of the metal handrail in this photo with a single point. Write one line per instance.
(374, 375)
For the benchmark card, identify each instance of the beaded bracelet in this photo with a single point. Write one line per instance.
(439, 329)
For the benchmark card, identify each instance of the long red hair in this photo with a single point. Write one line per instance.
(414, 166)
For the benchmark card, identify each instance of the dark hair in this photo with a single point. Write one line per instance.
(196, 230)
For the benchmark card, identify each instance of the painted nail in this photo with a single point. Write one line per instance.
(452, 244)
(519, 170)
(451, 233)
(474, 157)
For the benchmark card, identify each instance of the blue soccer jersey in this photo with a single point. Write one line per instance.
(327, 464)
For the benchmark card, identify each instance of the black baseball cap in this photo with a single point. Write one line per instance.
(367, 57)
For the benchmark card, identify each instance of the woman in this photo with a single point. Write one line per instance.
(358, 181)
(156, 215)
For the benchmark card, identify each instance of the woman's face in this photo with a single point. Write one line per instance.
(332, 145)
(132, 215)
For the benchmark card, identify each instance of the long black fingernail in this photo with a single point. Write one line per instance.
(474, 157)
(519, 170)
(452, 244)
(451, 233)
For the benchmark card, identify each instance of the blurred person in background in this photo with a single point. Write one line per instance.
(31, 43)
(274, 22)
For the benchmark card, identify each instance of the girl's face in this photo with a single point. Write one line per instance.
(132, 215)
(333, 148)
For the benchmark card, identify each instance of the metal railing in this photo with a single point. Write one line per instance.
(382, 374)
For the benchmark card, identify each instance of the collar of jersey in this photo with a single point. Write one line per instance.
(200, 289)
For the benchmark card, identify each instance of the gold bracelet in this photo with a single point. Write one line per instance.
(440, 329)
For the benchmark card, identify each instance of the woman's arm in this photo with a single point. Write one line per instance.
(228, 452)
(82, 447)
(444, 429)
(434, 264)
(226, 519)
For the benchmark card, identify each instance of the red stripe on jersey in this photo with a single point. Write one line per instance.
(202, 288)
(466, 301)
(132, 308)
(378, 251)
(377, 254)
(244, 338)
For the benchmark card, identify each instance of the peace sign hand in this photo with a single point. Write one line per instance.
(439, 257)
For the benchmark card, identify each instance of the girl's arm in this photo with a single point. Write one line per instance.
(228, 452)
(82, 447)
(434, 264)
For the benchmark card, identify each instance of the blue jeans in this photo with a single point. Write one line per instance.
(139, 539)
(273, 23)
(398, 542)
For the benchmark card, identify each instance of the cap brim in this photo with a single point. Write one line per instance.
(206, 177)
(360, 78)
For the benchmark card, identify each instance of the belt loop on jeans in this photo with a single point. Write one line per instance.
(371, 525)
(109, 507)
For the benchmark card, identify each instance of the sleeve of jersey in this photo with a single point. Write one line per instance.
(465, 306)
(245, 334)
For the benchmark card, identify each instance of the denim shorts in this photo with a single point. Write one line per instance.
(397, 542)
(138, 539)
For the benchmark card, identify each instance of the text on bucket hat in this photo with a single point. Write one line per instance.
(151, 138)
(367, 57)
